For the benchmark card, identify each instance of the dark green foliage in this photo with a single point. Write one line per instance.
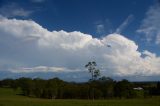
(107, 87)
(124, 89)
(158, 88)
(102, 88)
(9, 97)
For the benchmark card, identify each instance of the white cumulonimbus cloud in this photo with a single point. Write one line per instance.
(28, 47)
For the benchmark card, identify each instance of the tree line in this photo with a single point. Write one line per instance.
(102, 88)
(95, 88)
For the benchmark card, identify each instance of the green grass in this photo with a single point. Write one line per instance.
(8, 97)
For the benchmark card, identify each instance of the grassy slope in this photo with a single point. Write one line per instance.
(8, 97)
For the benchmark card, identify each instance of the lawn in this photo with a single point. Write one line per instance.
(9, 97)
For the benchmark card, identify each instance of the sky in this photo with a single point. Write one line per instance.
(56, 38)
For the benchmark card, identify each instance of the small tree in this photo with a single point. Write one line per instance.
(91, 66)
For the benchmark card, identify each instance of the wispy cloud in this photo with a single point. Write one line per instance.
(151, 24)
(13, 10)
(100, 28)
(39, 69)
(124, 24)
(103, 27)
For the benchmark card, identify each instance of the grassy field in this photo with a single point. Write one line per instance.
(8, 97)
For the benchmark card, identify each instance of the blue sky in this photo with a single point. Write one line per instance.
(43, 36)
